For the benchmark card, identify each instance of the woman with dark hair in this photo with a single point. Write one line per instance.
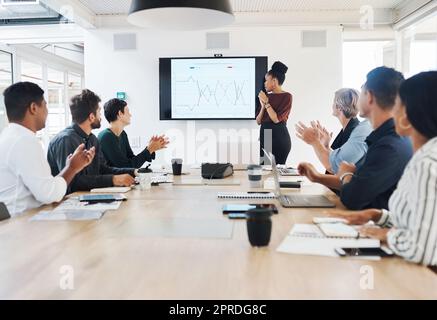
(410, 225)
(115, 142)
(273, 114)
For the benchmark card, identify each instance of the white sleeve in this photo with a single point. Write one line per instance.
(386, 219)
(28, 161)
(417, 242)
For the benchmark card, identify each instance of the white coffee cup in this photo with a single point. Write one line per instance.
(255, 176)
(145, 181)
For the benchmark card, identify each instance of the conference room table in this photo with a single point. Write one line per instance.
(173, 242)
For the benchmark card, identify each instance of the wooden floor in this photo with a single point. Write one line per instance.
(172, 242)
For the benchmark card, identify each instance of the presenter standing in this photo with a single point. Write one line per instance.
(273, 113)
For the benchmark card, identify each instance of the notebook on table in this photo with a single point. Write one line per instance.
(338, 230)
(206, 182)
(102, 198)
(68, 215)
(246, 195)
(111, 190)
(308, 239)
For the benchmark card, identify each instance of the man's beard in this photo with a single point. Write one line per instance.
(96, 124)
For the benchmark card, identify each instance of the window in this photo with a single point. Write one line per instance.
(419, 47)
(59, 86)
(423, 56)
(56, 102)
(31, 72)
(5, 81)
(360, 57)
(74, 88)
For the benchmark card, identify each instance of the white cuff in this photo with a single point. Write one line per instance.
(385, 217)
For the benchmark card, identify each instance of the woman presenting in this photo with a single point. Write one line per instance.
(275, 108)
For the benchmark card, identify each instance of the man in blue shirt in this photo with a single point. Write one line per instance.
(372, 184)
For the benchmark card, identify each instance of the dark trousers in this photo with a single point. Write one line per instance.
(275, 138)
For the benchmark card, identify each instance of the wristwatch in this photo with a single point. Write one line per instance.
(267, 106)
(344, 175)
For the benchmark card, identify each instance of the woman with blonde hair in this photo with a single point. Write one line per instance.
(349, 145)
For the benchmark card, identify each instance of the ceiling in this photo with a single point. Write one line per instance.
(118, 7)
(427, 26)
(27, 11)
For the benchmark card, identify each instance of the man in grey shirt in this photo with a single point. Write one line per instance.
(85, 111)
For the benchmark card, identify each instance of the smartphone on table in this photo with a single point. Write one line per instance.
(364, 252)
(238, 211)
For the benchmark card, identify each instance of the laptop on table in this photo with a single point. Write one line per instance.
(296, 201)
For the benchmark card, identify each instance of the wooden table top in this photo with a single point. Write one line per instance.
(133, 253)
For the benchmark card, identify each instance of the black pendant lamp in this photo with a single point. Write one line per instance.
(181, 14)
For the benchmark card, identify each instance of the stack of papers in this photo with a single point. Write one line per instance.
(74, 204)
(308, 239)
(74, 210)
(72, 215)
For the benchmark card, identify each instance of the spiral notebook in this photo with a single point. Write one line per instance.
(246, 195)
(308, 239)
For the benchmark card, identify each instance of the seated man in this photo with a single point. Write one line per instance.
(26, 182)
(373, 183)
(115, 143)
(349, 145)
(85, 111)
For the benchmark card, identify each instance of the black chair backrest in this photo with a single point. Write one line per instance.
(4, 213)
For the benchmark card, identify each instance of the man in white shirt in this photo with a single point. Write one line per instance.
(25, 178)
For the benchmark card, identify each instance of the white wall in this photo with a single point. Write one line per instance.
(314, 75)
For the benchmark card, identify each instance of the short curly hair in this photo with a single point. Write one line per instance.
(84, 104)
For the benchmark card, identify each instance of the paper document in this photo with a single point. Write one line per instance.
(111, 190)
(73, 215)
(74, 204)
(338, 230)
(307, 239)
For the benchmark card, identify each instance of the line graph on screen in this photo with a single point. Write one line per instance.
(211, 89)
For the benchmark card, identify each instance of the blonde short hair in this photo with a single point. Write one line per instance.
(346, 100)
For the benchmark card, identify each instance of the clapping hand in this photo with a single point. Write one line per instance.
(263, 98)
(81, 158)
(157, 143)
(324, 134)
(309, 135)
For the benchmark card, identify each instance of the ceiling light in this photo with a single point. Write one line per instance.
(181, 14)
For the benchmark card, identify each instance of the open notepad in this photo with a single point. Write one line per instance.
(246, 195)
(308, 239)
